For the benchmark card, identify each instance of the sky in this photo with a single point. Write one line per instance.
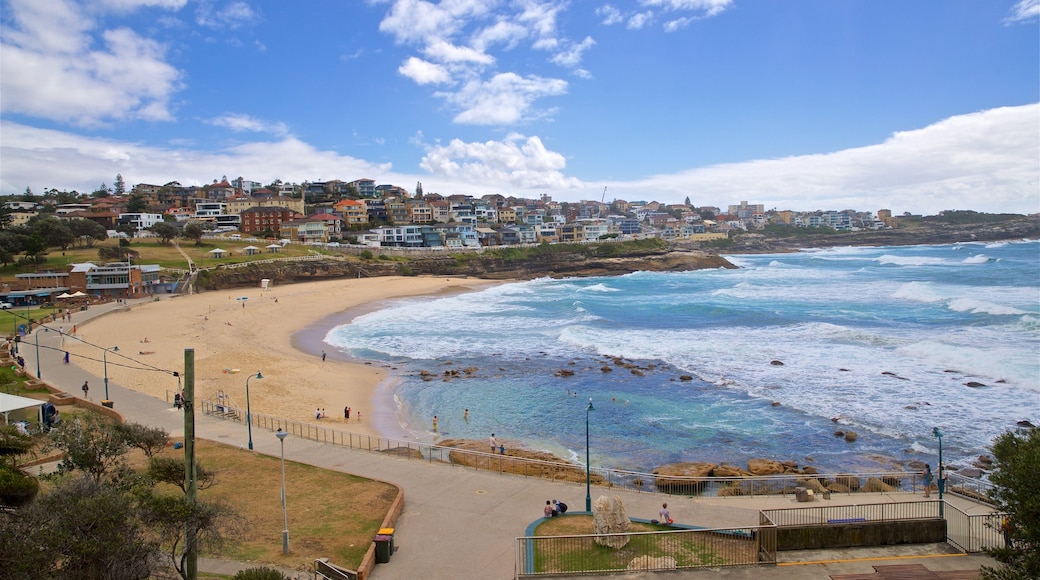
(915, 107)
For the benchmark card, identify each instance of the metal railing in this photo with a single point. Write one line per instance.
(325, 571)
(644, 551)
(772, 485)
(840, 514)
(973, 533)
(976, 489)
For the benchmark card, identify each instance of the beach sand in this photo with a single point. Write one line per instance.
(277, 331)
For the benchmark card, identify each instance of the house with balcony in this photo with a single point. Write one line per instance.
(365, 187)
(305, 231)
(354, 211)
(139, 221)
(333, 224)
(257, 220)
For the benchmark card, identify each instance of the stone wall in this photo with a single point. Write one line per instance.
(827, 536)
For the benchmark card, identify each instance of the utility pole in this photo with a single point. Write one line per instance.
(191, 488)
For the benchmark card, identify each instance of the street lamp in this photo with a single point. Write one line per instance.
(281, 435)
(104, 358)
(45, 329)
(588, 475)
(942, 480)
(249, 415)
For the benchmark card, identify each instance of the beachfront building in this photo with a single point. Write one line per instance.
(139, 221)
(114, 279)
(306, 231)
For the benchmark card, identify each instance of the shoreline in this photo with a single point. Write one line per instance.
(278, 331)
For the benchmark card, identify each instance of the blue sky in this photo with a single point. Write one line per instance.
(815, 104)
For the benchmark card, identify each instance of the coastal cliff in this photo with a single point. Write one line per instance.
(592, 260)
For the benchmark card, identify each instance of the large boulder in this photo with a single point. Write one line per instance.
(608, 517)
(725, 470)
(875, 485)
(760, 466)
(675, 478)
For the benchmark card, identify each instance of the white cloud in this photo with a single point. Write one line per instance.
(515, 163)
(708, 7)
(130, 5)
(571, 57)
(424, 72)
(238, 122)
(678, 23)
(55, 68)
(228, 17)
(450, 53)
(1024, 11)
(69, 161)
(454, 37)
(639, 20)
(609, 14)
(505, 99)
(985, 161)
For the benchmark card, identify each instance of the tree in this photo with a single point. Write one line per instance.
(150, 440)
(128, 230)
(35, 249)
(91, 443)
(165, 231)
(1017, 459)
(688, 204)
(63, 197)
(87, 231)
(82, 529)
(137, 204)
(53, 231)
(171, 471)
(193, 231)
(6, 219)
(16, 486)
(120, 185)
(28, 195)
(170, 517)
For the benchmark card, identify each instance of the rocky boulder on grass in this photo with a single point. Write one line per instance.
(608, 517)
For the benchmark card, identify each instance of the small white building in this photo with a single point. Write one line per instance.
(140, 221)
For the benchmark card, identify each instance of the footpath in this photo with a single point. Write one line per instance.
(460, 523)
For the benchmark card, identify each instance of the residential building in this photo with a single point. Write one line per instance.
(307, 231)
(116, 279)
(419, 212)
(140, 221)
(333, 223)
(354, 211)
(261, 219)
(366, 188)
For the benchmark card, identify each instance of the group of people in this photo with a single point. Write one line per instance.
(554, 508)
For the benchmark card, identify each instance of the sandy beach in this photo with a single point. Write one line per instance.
(237, 332)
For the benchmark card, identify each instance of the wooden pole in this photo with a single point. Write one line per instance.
(191, 563)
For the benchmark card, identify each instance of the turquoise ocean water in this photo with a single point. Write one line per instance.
(880, 340)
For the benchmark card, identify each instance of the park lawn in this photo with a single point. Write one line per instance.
(584, 554)
(331, 514)
(17, 315)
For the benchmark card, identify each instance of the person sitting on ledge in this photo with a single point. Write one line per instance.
(549, 511)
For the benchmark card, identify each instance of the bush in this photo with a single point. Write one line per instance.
(261, 573)
(16, 488)
(365, 254)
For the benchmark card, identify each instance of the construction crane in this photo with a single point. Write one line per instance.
(602, 200)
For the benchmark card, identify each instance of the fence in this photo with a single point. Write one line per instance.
(877, 512)
(976, 489)
(773, 485)
(645, 551)
(973, 533)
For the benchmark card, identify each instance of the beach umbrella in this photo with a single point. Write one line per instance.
(64, 295)
(77, 294)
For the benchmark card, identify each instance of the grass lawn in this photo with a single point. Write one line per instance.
(331, 514)
(577, 554)
(153, 252)
(18, 315)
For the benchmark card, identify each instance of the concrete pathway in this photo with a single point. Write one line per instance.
(461, 523)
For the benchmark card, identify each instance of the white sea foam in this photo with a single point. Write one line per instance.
(976, 259)
(911, 260)
(983, 307)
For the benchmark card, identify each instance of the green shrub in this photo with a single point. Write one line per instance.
(261, 573)
(365, 255)
(16, 488)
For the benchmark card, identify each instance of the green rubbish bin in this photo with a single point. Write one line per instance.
(383, 548)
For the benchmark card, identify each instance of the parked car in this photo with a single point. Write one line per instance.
(6, 305)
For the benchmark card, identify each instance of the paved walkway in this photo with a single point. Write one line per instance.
(461, 523)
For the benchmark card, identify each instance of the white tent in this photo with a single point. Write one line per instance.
(77, 294)
(273, 248)
(250, 250)
(64, 295)
(10, 403)
(217, 253)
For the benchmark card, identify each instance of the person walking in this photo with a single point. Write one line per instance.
(494, 442)
(322, 356)
(435, 423)
(66, 357)
(346, 413)
(86, 390)
(927, 478)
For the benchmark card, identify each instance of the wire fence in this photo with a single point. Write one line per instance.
(644, 551)
(974, 533)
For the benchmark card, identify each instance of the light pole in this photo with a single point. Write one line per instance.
(588, 466)
(104, 358)
(942, 481)
(38, 351)
(281, 435)
(249, 415)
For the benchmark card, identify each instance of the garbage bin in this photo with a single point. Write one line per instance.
(388, 532)
(107, 403)
(383, 548)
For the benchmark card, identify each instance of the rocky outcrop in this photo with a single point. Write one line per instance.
(546, 465)
(760, 466)
(563, 264)
(674, 477)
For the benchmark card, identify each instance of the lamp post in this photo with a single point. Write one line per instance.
(281, 435)
(588, 466)
(249, 414)
(104, 358)
(38, 351)
(942, 480)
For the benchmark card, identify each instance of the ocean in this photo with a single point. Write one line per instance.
(777, 356)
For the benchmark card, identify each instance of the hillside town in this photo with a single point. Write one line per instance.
(365, 213)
